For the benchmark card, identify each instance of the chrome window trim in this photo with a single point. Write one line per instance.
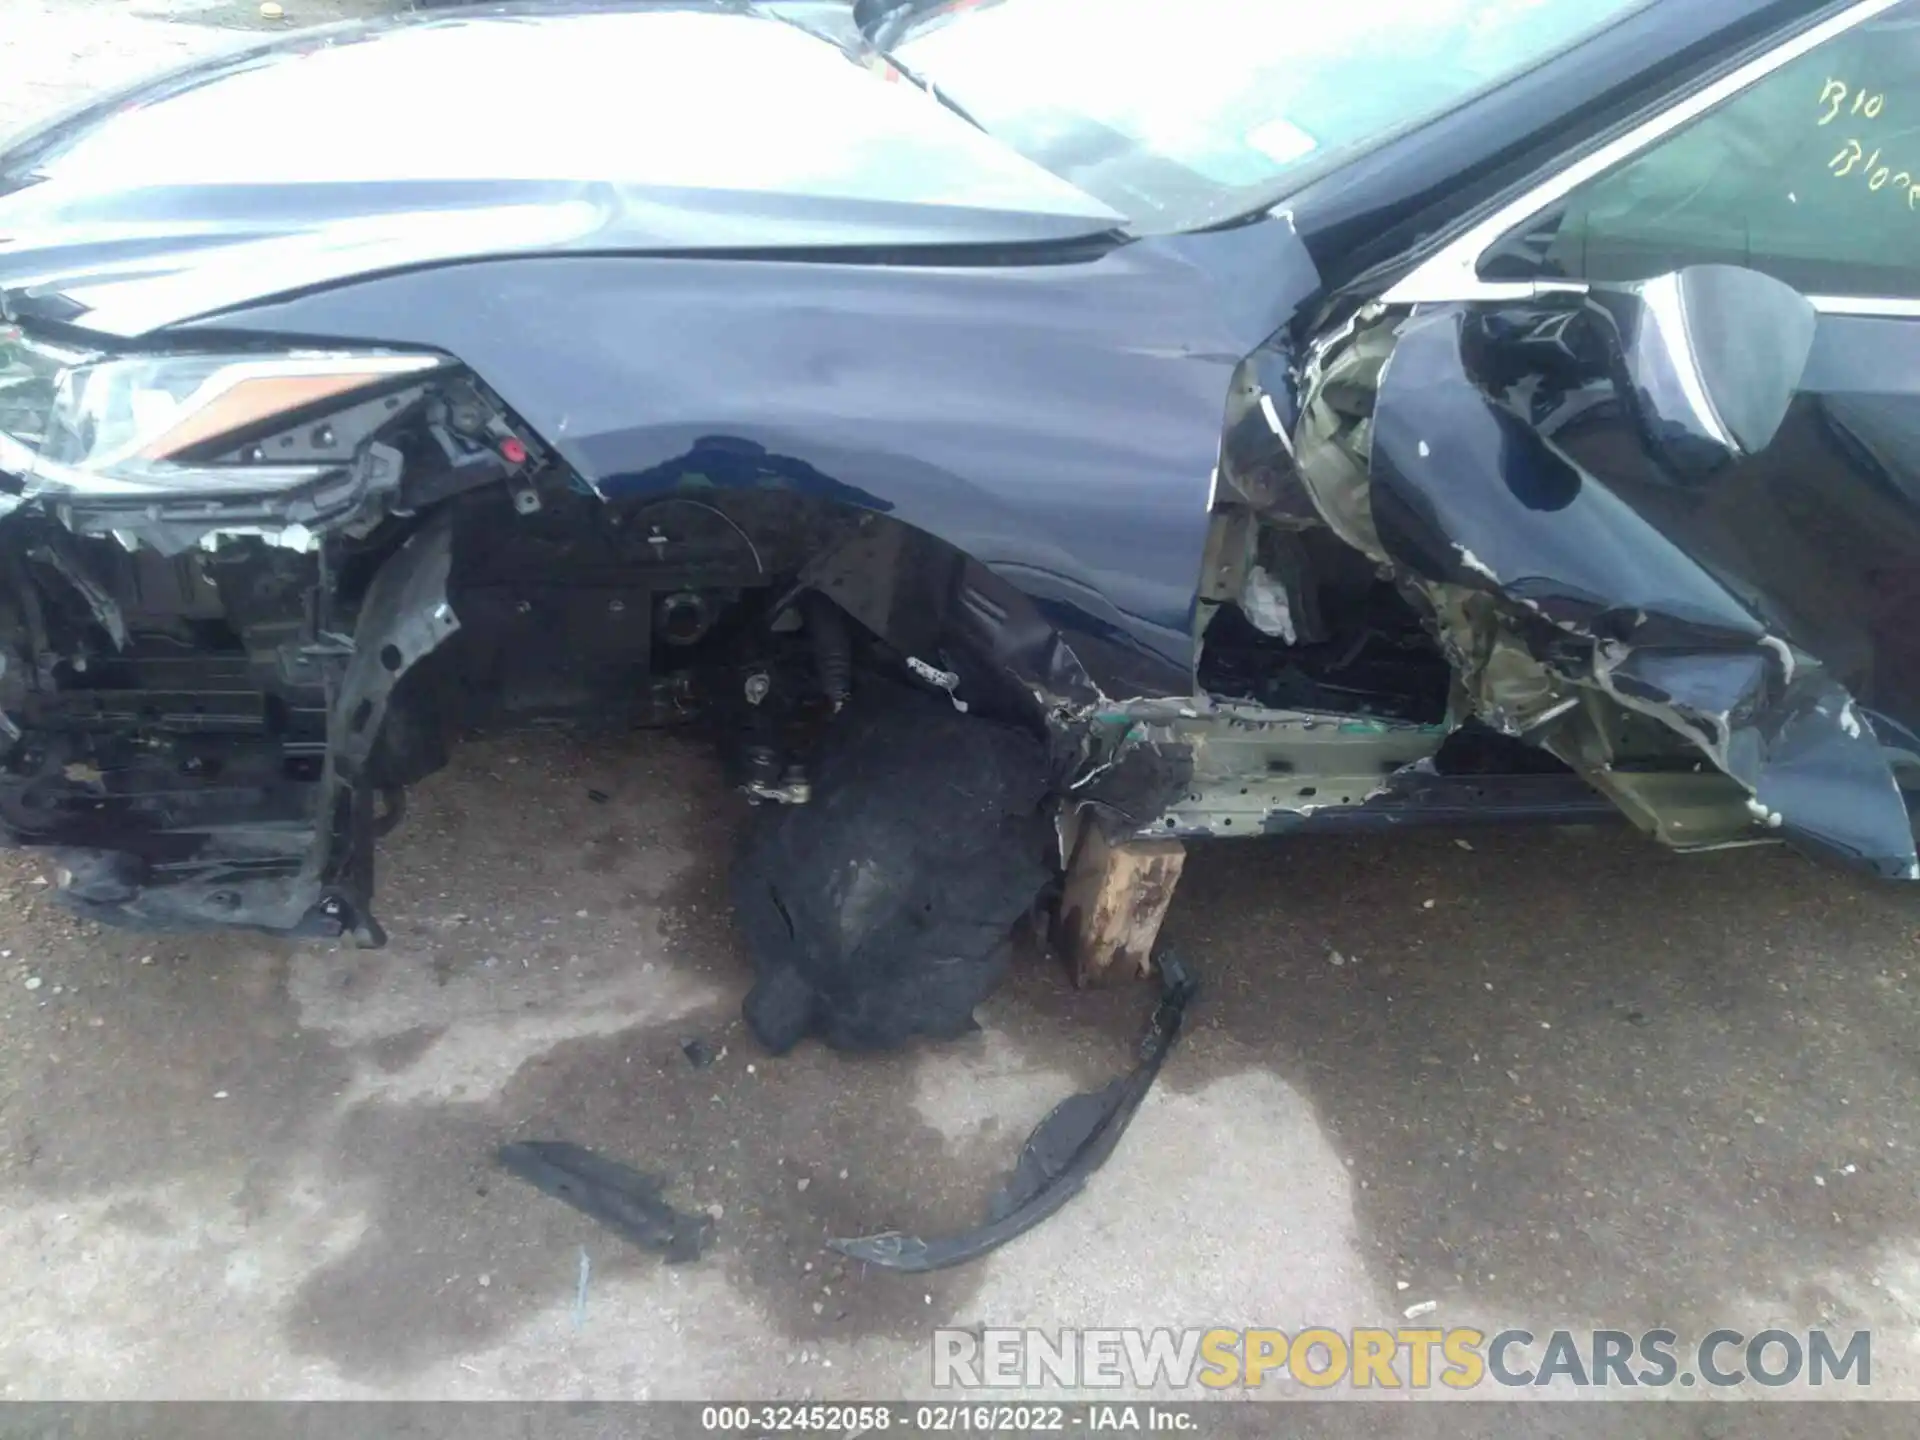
(1453, 273)
(1886, 306)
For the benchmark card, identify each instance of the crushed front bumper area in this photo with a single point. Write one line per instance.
(182, 789)
(210, 588)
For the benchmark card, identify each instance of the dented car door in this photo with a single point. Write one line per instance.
(1647, 440)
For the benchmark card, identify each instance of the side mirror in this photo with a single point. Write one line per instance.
(1710, 358)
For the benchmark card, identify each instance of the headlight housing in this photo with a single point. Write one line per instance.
(133, 425)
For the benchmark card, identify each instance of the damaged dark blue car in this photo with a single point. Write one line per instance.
(992, 421)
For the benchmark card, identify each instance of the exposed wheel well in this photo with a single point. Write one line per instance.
(216, 723)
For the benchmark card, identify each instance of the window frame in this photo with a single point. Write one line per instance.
(1452, 274)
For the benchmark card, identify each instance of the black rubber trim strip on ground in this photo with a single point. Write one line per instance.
(1059, 1157)
(616, 1195)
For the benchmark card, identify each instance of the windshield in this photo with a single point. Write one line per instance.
(1184, 114)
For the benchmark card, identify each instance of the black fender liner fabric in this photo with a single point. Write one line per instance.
(617, 1195)
(1059, 1157)
(883, 909)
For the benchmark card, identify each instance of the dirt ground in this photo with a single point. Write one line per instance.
(1546, 1079)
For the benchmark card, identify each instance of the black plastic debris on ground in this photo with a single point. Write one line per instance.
(616, 1195)
(883, 909)
(1059, 1157)
(698, 1052)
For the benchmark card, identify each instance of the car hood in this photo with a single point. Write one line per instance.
(670, 128)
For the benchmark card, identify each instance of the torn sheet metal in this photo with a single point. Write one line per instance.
(1486, 482)
(1249, 771)
(1059, 1157)
(618, 1196)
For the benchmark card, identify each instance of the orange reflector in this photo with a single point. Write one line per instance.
(249, 402)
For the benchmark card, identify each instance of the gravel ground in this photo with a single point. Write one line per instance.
(1551, 1079)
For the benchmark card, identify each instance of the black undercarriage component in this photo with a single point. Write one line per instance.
(579, 610)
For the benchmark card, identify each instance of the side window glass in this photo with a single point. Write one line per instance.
(1812, 175)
